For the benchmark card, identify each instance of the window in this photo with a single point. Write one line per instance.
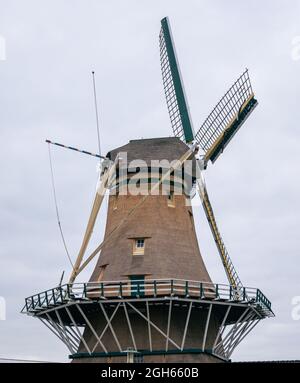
(139, 246)
(171, 199)
(140, 243)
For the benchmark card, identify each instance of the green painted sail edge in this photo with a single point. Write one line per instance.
(182, 104)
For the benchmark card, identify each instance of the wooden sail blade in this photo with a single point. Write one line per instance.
(92, 219)
(229, 268)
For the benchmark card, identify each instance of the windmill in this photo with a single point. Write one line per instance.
(150, 297)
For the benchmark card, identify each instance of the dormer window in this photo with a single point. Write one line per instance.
(139, 246)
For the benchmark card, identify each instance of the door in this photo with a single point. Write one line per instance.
(137, 285)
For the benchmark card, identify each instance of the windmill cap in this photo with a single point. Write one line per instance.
(149, 149)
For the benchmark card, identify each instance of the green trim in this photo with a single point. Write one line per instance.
(174, 66)
(153, 169)
(231, 131)
(177, 185)
(140, 352)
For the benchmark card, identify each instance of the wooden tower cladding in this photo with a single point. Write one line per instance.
(164, 223)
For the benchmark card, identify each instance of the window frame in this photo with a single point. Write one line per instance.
(138, 250)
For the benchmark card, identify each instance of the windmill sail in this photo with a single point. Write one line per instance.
(226, 118)
(173, 85)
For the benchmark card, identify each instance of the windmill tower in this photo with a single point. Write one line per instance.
(150, 297)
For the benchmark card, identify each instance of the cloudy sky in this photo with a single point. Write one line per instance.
(51, 47)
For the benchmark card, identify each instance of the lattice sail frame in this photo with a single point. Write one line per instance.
(173, 85)
(226, 118)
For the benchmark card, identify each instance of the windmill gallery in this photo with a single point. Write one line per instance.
(150, 297)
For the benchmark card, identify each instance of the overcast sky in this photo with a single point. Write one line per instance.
(46, 92)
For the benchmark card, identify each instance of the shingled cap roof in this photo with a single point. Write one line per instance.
(165, 148)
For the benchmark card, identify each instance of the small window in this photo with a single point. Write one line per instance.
(138, 246)
(140, 243)
(171, 199)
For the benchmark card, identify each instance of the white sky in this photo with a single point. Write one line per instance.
(46, 92)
